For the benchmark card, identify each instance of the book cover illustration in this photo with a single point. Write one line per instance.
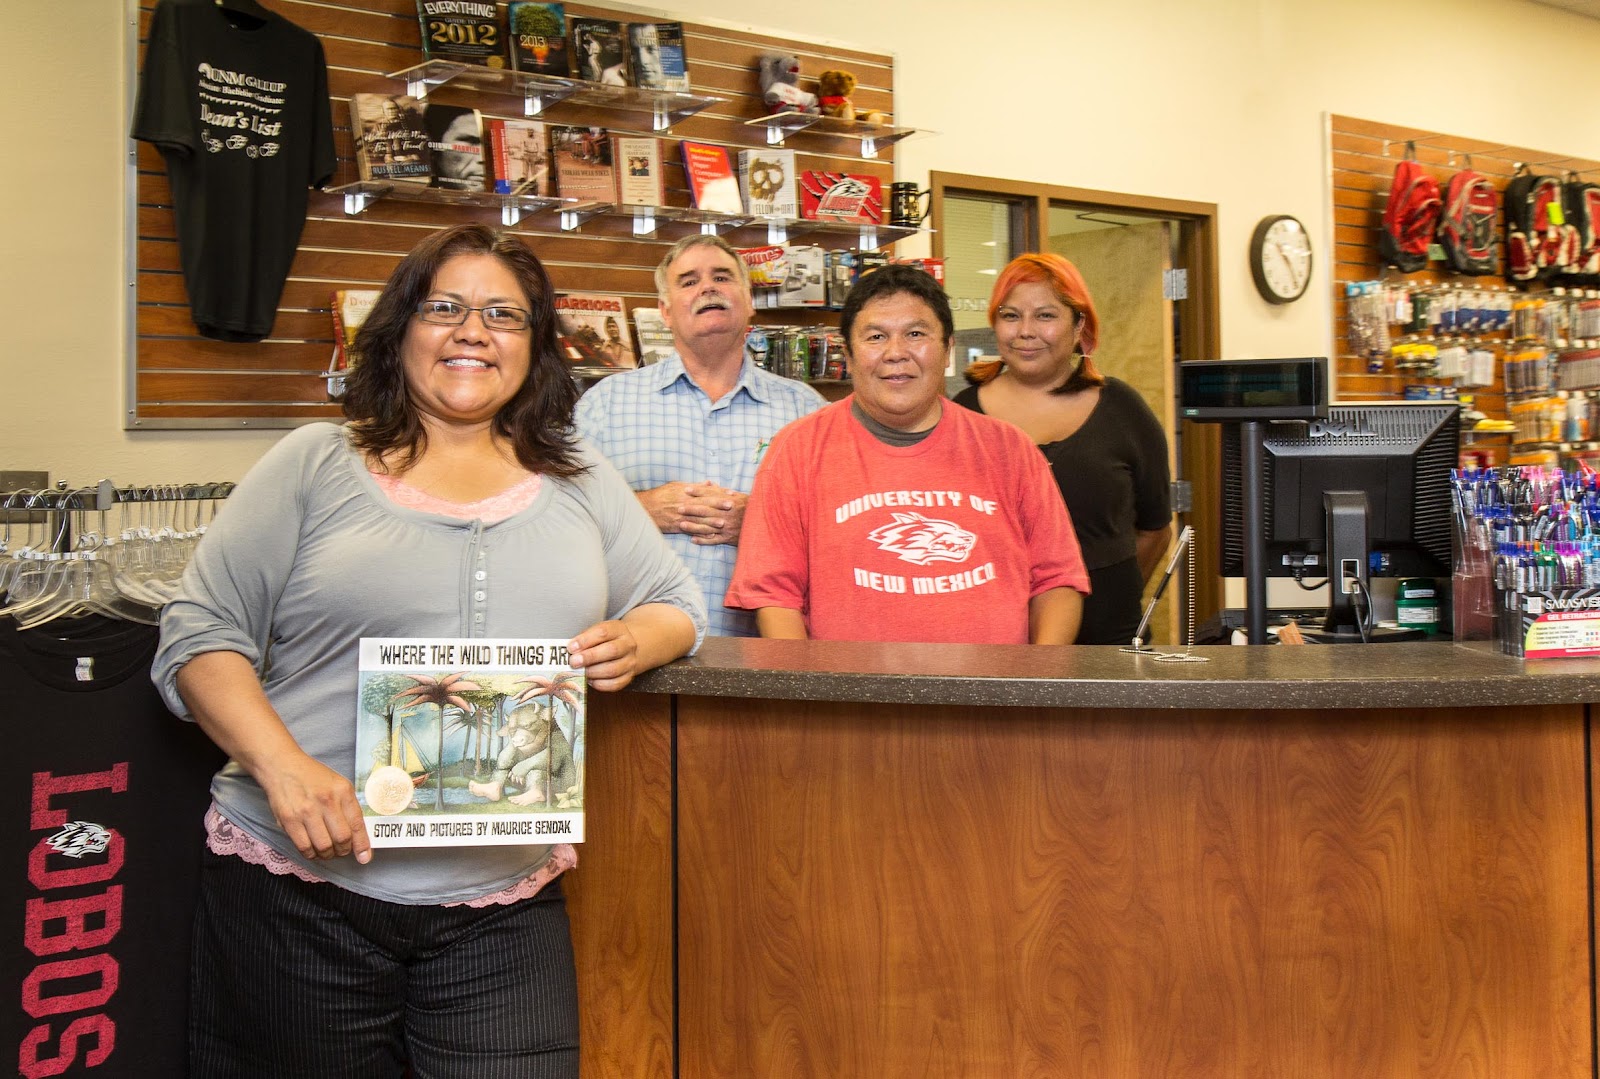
(597, 51)
(655, 50)
(711, 180)
(655, 340)
(391, 140)
(593, 331)
(469, 742)
(350, 307)
(841, 197)
(766, 180)
(538, 36)
(521, 154)
(467, 31)
(455, 145)
(638, 164)
(583, 167)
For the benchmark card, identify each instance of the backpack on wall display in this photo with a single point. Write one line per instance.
(1539, 242)
(1409, 218)
(1467, 226)
(1580, 202)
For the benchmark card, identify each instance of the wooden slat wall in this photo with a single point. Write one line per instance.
(1364, 156)
(182, 379)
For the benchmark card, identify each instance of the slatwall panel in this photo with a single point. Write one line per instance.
(1364, 156)
(183, 380)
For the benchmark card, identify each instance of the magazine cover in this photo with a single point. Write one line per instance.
(538, 34)
(597, 51)
(582, 157)
(390, 139)
(468, 742)
(521, 153)
(841, 197)
(637, 160)
(656, 51)
(711, 181)
(455, 140)
(593, 329)
(655, 340)
(464, 30)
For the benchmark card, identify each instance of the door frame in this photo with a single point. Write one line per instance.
(1199, 325)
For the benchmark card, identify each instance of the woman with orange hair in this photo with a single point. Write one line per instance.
(1104, 444)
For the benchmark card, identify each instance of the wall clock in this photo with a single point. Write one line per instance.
(1280, 258)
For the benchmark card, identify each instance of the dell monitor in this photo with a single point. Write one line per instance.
(1363, 492)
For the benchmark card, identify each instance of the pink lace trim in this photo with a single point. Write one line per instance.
(489, 510)
(223, 837)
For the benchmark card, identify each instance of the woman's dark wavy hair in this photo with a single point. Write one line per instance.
(537, 421)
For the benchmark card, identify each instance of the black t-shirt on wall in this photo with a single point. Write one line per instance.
(238, 107)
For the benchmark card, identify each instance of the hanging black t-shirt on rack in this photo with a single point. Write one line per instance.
(100, 843)
(238, 107)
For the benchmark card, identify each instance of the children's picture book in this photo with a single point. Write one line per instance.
(655, 52)
(467, 31)
(538, 37)
(841, 197)
(598, 54)
(463, 742)
(655, 340)
(767, 183)
(637, 160)
(583, 167)
(455, 142)
(520, 151)
(390, 138)
(593, 332)
(711, 181)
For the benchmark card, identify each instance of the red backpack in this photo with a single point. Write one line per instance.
(1539, 242)
(1410, 218)
(1581, 204)
(1467, 226)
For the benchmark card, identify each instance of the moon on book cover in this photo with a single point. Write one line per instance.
(389, 790)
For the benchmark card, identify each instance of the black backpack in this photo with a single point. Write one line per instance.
(1539, 242)
(1467, 226)
(1581, 204)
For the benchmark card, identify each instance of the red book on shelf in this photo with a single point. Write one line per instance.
(711, 178)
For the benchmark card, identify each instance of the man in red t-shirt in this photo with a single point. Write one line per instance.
(890, 516)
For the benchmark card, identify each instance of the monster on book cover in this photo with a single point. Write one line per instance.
(582, 157)
(538, 35)
(462, 742)
(521, 153)
(655, 50)
(597, 51)
(593, 332)
(467, 31)
(390, 137)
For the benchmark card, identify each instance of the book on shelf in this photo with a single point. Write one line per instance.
(582, 160)
(593, 332)
(520, 152)
(598, 53)
(655, 51)
(841, 197)
(537, 33)
(655, 340)
(767, 183)
(711, 181)
(390, 138)
(469, 742)
(637, 160)
(467, 31)
(455, 142)
(350, 307)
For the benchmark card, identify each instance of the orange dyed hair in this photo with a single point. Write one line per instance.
(1069, 287)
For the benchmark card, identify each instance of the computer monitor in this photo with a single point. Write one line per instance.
(1364, 492)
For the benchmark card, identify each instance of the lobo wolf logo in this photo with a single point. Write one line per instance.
(80, 837)
(920, 540)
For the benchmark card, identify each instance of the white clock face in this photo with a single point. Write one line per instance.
(1286, 258)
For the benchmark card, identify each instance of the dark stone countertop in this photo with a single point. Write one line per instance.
(1413, 675)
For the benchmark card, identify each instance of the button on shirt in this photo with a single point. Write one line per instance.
(656, 426)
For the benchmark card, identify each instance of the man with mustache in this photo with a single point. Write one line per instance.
(688, 432)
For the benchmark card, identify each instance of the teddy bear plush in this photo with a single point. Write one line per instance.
(834, 88)
(780, 84)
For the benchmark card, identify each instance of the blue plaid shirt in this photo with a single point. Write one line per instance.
(656, 426)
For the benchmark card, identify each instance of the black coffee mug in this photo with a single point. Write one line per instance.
(907, 205)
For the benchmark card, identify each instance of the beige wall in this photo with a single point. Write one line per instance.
(1218, 102)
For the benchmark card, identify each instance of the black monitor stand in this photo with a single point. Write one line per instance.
(1346, 514)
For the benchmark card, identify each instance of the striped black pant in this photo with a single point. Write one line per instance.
(293, 979)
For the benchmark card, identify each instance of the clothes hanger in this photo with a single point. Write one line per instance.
(248, 8)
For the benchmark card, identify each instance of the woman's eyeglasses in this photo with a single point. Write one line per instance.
(450, 313)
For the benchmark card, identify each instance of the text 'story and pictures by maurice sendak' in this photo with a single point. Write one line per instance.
(469, 742)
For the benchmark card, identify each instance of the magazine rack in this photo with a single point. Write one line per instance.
(539, 92)
(513, 208)
(872, 137)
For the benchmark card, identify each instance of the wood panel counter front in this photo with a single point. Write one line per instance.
(845, 861)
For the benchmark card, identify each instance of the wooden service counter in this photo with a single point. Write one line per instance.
(848, 861)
